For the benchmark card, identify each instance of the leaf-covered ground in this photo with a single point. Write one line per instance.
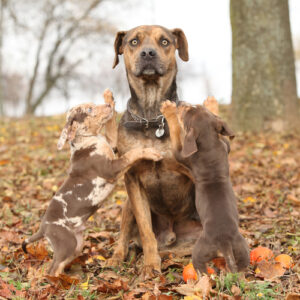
(266, 178)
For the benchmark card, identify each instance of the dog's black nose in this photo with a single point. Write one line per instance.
(148, 53)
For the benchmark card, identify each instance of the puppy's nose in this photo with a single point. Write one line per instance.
(148, 53)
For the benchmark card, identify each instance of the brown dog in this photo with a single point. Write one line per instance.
(93, 173)
(161, 194)
(195, 141)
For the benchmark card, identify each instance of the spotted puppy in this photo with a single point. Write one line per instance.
(92, 176)
(196, 143)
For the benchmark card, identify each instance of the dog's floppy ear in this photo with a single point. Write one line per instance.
(68, 133)
(118, 46)
(223, 128)
(189, 143)
(181, 44)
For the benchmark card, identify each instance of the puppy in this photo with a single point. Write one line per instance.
(92, 176)
(196, 143)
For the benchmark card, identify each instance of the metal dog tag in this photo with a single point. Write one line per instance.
(160, 131)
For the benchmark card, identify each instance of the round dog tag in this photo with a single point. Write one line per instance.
(159, 132)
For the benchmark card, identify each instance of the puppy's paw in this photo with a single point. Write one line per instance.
(152, 154)
(108, 98)
(168, 108)
(212, 105)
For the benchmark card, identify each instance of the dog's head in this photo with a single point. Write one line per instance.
(200, 127)
(150, 50)
(85, 120)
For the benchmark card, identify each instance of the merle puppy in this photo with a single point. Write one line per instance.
(92, 176)
(196, 143)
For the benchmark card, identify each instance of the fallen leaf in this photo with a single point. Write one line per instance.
(63, 280)
(269, 270)
(293, 199)
(38, 251)
(85, 285)
(293, 297)
(220, 263)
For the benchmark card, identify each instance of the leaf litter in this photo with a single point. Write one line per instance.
(265, 176)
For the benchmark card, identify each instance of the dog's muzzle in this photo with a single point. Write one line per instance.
(149, 63)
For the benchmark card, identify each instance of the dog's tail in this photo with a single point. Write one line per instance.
(37, 236)
(227, 251)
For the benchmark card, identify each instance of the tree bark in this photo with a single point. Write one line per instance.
(264, 93)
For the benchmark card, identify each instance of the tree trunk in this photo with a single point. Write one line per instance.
(264, 93)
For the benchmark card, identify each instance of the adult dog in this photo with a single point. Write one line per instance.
(161, 194)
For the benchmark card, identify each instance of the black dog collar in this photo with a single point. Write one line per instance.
(143, 123)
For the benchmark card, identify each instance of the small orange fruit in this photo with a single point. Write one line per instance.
(189, 272)
(260, 253)
(285, 260)
(210, 270)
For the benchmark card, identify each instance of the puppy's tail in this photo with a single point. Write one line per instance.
(227, 251)
(37, 236)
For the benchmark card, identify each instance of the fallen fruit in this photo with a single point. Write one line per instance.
(260, 253)
(189, 272)
(210, 270)
(285, 260)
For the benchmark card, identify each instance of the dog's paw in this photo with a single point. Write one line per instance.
(108, 98)
(152, 154)
(212, 105)
(168, 108)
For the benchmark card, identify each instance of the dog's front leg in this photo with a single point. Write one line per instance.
(111, 127)
(121, 249)
(141, 210)
(168, 109)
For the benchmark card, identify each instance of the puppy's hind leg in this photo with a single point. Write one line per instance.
(37, 236)
(203, 252)
(65, 248)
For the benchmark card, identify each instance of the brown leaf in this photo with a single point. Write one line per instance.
(220, 263)
(10, 236)
(293, 199)
(63, 280)
(113, 286)
(269, 270)
(201, 287)
(235, 290)
(39, 251)
(5, 289)
(161, 297)
(293, 297)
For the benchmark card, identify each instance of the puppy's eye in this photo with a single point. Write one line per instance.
(90, 109)
(134, 42)
(165, 42)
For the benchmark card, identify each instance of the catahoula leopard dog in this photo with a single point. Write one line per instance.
(161, 194)
(92, 178)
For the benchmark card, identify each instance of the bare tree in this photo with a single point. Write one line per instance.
(63, 32)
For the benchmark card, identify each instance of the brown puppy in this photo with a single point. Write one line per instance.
(161, 194)
(92, 176)
(195, 140)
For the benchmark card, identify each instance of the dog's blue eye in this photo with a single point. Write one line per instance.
(165, 42)
(134, 42)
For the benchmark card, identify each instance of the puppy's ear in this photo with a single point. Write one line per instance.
(68, 133)
(223, 128)
(118, 46)
(189, 144)
(181, 44)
